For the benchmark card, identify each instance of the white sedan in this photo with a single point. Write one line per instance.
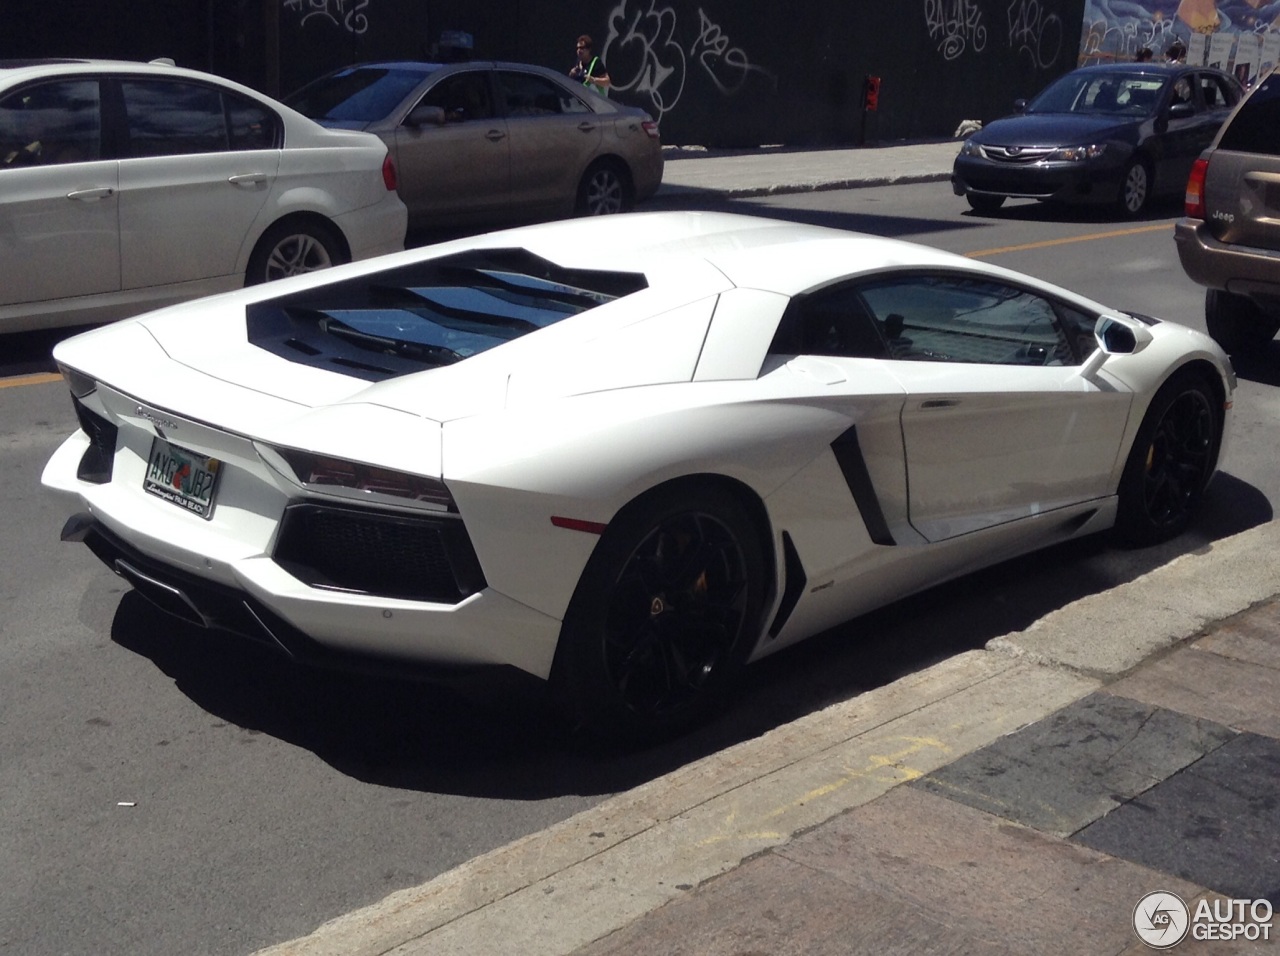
(628, 455)
(129, 186)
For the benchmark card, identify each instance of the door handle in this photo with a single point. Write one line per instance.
(247, 179)
(494, 135)
(586, 127)
(940, 403)
(91, 194)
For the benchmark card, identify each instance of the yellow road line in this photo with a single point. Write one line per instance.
(1046, 243)
(41, 378)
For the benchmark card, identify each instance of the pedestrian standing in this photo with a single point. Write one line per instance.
(590, 69)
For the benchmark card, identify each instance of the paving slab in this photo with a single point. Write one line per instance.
(1064, 772)
(1217, 823)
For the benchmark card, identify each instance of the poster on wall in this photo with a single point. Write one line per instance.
(1115, 30)
(1220, 47)
(1197, 49)
(1245, 64)
(1269, 54)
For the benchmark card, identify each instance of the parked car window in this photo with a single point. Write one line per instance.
(962, 319)
(831, 322)
(168, 118)
(1216, 92)
(524, 94)
(462, 96)
(1256, 127)
(360, 95)
(251, 125)
(51, 123)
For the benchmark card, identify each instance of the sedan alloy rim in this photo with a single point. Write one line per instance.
(1135, 187)
(675, 615)
(604, 193)
(297, 255)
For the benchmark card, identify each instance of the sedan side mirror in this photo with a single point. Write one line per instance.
(1019, 106)
(1182, 110)
(1116, 335)
(424, 115)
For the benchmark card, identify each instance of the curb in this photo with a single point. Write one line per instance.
(579, 880)
(778, 189)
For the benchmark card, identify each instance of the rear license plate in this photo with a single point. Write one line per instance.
(184, 477)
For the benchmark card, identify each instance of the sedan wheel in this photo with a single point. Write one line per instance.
(1170, 463)
(290, 249)
(985, 205)
(663, 616)
(603, 191)
(1135, 188)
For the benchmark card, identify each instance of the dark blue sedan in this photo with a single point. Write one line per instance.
(1116, 134)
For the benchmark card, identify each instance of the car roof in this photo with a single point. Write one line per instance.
(1154, 69)
(16, 71)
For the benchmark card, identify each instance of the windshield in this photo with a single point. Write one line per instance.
(362, 94)
(1118, 94)
(430, 313)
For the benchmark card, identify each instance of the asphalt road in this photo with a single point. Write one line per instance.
(164, 790)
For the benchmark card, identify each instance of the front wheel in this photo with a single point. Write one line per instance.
(663, 617)
(1171, 461)
(604, 190)
(986, 205)
(1135, 188)
(293, 248)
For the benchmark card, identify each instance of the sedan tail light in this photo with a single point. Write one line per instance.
(1195, 208)
(650, 127)
(389, 173)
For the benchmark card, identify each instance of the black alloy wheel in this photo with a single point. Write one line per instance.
(1170, 463)
(663, 617)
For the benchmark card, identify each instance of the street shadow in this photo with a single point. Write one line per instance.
(1262, 367)
(29, 353)
(1032, 210)
(494, 735)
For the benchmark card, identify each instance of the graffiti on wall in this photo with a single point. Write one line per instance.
(649, 55)
(1035, 33)
(955, 26)
(349, 15)
(1224, 32)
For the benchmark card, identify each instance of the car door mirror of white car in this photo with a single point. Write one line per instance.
(1116, 335)
(425, 115)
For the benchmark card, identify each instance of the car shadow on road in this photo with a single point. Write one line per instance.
(1262, 367)
(493, 735)
(1036, 211)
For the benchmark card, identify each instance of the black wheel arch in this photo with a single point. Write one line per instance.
(299, 219)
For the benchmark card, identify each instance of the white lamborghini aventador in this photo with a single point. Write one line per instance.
(627, 455)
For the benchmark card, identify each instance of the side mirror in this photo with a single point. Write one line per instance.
(1182, 110)
(424, 115)
(1116, 335)
(1019, 106)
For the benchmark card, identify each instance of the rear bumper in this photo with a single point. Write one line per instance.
(1241, 270)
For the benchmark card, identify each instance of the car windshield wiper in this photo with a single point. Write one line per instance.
(386, 345)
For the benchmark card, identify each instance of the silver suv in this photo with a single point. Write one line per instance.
(1229, 240)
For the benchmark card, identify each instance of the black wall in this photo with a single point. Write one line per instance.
(715, 72)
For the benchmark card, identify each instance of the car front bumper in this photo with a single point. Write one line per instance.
(1082, 182)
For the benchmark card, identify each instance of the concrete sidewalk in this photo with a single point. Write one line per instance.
(764, 171)
(1018, 799)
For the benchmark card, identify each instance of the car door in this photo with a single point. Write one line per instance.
(998, 424)
(1184, 133)
(461, 167)
(554, 137)
(59, 232)
(200, 164)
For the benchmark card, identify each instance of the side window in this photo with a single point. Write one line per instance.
(967, 319)
(524, 94)
(51, 124)
(462, 96)
(250, 125)
(170, 118)
(1256, 127)
(830, 322)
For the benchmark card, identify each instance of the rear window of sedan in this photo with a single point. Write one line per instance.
(358, 95)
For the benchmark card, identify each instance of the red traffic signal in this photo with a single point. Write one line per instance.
(870, 93)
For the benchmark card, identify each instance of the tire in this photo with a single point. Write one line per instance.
(986, 205)
(664, 616)
(605, 189)
(1135, 188)
(1237, 323)
(1171, 461)
(294, 247)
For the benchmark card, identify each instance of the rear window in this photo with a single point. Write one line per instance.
(431, 313)
(359, 95)
(1256, 127)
